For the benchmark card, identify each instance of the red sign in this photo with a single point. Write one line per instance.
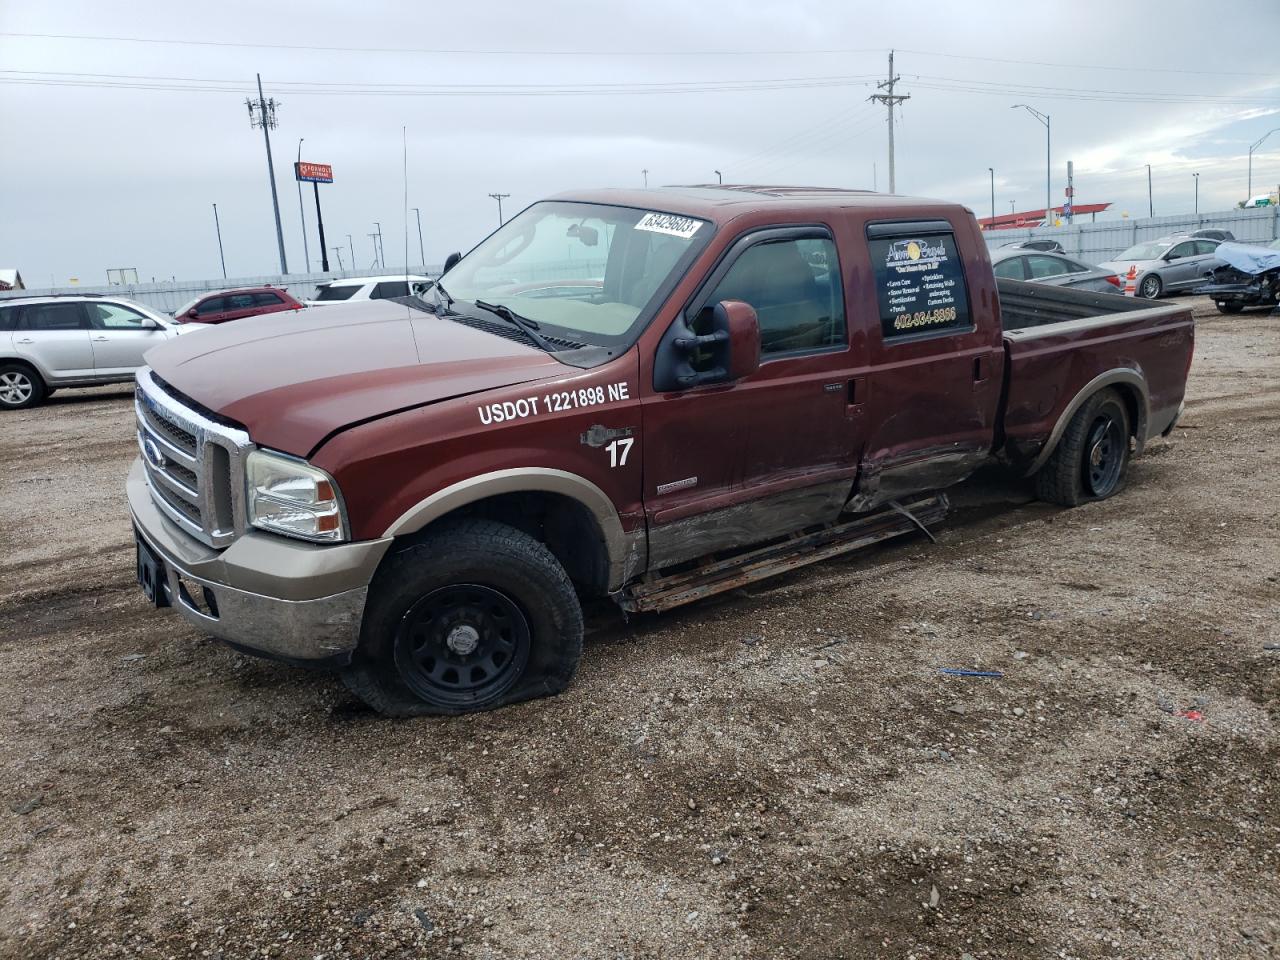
(313, 172)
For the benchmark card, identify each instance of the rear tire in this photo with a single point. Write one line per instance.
(1091, 457)
(20, 387)
(1230, 306)
(471, 617)
(1151, 287)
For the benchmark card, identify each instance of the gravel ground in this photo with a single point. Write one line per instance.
(779, 772)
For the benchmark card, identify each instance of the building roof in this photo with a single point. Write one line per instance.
(10, 279)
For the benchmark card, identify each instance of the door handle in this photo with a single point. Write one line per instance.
(857, 394)
(979, 370)
(101, 339)
(26, 340)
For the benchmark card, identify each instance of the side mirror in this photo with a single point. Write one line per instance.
(1170, 256)
(451, 261)
(730, 351)
(190, 314)
(149, 324)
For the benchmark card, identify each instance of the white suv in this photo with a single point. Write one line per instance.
(364, 288)
(73, 341)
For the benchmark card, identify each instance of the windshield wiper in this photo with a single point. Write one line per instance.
(527, 326)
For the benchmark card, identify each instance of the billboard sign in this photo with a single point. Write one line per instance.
(313, 172)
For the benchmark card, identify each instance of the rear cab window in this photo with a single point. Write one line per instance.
(919, 278)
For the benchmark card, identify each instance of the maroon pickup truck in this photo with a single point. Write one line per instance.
(646, 395)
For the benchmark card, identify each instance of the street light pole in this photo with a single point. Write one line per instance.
(217, 226)
(421, 252)
(645, 173)
(1151, 210)
(992, 171)
(1048, 162)
(719, 176)
(306, 251)
(1197, 176)
(1251, 149)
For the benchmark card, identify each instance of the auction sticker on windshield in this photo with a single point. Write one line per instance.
(919, 283)
(670, 224)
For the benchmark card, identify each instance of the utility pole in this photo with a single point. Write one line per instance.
(890, 100)
(1251, 149)
(421, 252)
(875, 178)
(500, 197)
(645, 172)
(992, 171)
(1048, 163)
(262, 113)
(217, 226)
(352, 247)
(1197, 176)
(1151, 210)
(338, 252)
(1069, 207)
(374, 238)
(306, 250)
(382, 257)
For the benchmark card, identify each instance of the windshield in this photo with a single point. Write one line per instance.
(1146, 251)
(328, 291)
(593, 272)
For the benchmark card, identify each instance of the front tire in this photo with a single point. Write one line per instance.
(1230, 306)
(1092, 455)
(471, 617)
(20, 387)
(1151, 287)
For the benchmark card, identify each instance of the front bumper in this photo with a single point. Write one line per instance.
(266, 594)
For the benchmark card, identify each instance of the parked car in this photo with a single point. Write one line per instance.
(725, 408)
(226, 305)
(1048, 246)
(1212, 233)
(1015, 264)
(1249, 277)
(47, 343)
(1167, 265)
(365, 288)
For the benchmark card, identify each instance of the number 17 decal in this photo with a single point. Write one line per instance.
(618, 451)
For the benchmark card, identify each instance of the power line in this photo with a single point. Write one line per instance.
(648, 54)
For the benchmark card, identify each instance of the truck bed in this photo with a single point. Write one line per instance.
(1061, 345)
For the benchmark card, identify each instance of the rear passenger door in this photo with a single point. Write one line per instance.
(54, 337)
(937, 361)
(238, 305)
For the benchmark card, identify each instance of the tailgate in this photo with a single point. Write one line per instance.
(1075, 344)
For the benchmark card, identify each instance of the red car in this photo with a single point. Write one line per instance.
(233, 304)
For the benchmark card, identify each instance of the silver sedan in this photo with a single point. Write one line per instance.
(1053, 268)
(1168, 264)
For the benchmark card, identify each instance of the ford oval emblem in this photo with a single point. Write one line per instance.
(155, 456)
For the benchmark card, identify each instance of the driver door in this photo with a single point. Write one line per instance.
(120, 337)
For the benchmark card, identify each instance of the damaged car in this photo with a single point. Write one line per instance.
(1250, 277)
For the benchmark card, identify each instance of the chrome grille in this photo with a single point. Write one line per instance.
(191, 462)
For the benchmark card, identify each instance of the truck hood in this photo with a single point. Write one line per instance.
(291, 379)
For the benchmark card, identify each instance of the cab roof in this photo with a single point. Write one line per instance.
(721, 203)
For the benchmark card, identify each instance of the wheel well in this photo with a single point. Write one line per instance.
(19, 362)
(1133, 406)
(567, 527)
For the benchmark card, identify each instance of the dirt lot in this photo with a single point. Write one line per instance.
(781, 772)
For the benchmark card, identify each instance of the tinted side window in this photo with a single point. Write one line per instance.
(240, 301)
(1206, 246)
(53, 316)
(390, 288)
(1010, 269)
(794, 286)
(1042, 267)
(266, 299)
(212, 305)
(8, 318)
(1186, 249)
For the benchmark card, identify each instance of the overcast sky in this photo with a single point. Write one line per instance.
(101, 169)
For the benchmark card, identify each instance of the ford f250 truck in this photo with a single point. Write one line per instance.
(645, 395)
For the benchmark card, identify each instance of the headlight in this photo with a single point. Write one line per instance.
(292, 497)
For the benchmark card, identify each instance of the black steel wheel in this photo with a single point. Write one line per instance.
(1090, 458)
(472, 615)
(1105, 451)
(462, 644)
(1230, 306)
